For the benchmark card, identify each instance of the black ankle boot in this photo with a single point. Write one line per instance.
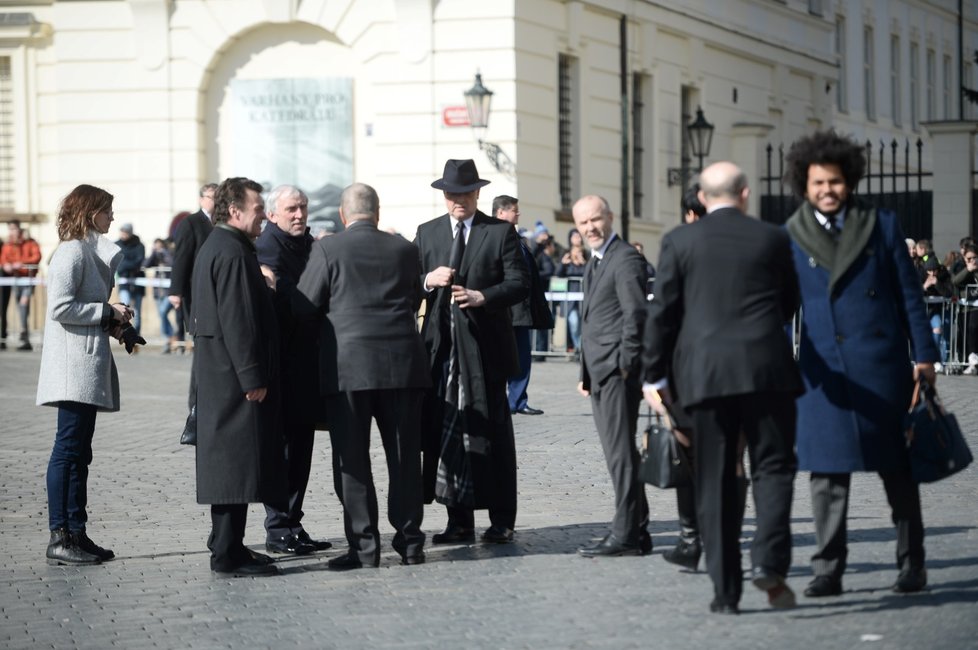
(62, 550)
(686, 553)
(82, 541)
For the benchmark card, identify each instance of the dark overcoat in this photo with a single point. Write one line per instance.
(287, 256)
(863, 321)
(188, 239)
(492, 264)
(240, 454)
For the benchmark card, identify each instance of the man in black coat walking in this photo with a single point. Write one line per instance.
(721, 337)
(283, 251)
(373, 367)
(240, 459)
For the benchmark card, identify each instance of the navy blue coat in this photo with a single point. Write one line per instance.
(858, 337)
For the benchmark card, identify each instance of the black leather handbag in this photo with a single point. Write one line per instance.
(664, 462)
(937, 447)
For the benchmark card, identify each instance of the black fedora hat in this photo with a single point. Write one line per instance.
(459, 177)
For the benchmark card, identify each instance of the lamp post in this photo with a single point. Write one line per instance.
(700, 136)
(478, 100)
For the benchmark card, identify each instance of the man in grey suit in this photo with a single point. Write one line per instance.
(368, 284)
(612, 317)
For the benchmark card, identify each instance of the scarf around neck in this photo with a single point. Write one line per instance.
(823, 250)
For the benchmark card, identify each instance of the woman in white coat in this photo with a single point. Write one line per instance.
(78, 374)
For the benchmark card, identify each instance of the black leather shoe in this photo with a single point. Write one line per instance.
(645, 543)
(686, 553)
(823, 586)
(259, 557)
(779, 594)
(82, 541)
(318, 544)
(610, 546)
(497, 535)
(417, 558)
(454, 535)
(911, 581)
(723, 608)
(347, 562)
(250, 569)
(63, 550)
(528, 410)
(290, 544)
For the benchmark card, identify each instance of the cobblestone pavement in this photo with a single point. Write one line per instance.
(535, 593)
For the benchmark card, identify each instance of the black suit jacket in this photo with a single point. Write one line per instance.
(534, 310)
(493, 265)
(189, 237)
(367, 283)
(725, 287)
(612, 314)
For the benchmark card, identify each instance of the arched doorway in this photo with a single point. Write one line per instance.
(278, 108)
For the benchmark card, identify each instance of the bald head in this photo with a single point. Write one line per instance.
(359, 202)
(723, 183)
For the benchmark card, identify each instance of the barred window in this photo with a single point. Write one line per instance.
(946, 92)
(895, 90)
(638, 144)
(565, 135)
(931, 85)
(841, 100)
(6, 135)
(914, 85)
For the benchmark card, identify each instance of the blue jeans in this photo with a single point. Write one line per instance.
(68, 468)
(937, 330)
(164, 308)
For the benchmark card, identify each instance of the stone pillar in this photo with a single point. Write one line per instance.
(747, 149)
(953, 146)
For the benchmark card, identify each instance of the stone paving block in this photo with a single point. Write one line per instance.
(535, 593)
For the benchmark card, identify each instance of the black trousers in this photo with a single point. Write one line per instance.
(398, 416)
(226, 541)
(830, 505)
(283, 519)
(4, 302)
(615, 405)
(768, 421)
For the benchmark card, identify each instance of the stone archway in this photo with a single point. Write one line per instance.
(277, 106)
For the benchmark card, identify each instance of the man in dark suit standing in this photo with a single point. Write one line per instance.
(531, 313)
(189, 237)
(612, 315)
(283, 251)
(372, 366)
(473, 272)
(721, 336)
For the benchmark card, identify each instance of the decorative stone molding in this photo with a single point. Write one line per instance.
(21, 28)
(150, 31)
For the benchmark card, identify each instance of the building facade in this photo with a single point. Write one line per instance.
(151, 98)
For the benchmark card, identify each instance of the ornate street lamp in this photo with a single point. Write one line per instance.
(699, 134)
(478, 99)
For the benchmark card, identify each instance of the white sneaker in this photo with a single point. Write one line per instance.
(938, 366)
(970, 370)
(973, 359)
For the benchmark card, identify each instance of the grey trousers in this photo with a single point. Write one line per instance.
(830, 505)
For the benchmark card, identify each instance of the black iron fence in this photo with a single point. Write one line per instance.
(889, 183)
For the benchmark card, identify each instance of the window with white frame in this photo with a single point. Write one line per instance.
(869, 74)
(841, 100)
(914, 85)
(6, 135)
(931, 82)
(895, 91)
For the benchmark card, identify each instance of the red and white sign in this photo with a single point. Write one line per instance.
(455, 116)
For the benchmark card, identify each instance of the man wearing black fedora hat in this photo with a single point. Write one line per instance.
(473, 272)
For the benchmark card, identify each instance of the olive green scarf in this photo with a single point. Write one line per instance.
(822, 248)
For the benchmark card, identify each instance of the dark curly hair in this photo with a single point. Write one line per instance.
(232, 191)
(824, 148)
